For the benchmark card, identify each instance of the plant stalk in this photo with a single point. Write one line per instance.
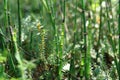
(19, 23)
(119, 39)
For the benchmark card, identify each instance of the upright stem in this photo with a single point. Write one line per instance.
(109, 30)
(72, 65)
(84, 23)
(5, 15)
(31, 39)
(100, 27)
(111, 40)
(19, 23)
(85, 41)
(51, 11)
(61, 41)
(119, 39)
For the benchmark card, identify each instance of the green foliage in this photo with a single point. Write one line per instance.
(59, 39)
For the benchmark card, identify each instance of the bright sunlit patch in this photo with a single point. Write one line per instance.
(98, 9)
(110, 16)
(38, 33)
(28, 19)
(23, 37)
(77, 46)
(103, 4)
(96, 26)
(93, 53)
(87, 23)
(66, 67)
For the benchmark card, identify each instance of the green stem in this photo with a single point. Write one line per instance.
(51, 12)
(111, 40)
(19, 23)
(100, 30)
(62, 43)
(5, 15)
(109, 31)
(31, 39)
(119, 39)
(85, 40)
(72, 65)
